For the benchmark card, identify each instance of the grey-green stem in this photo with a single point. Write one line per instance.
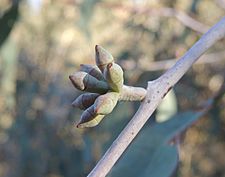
(156, 91)
(130, 93)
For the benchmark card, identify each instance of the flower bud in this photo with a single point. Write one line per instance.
(77, 80)
(89, 118)
(85, 82)
(104, 104)
(85, 100)
(102, 57)
(113, 74)
(93, 70)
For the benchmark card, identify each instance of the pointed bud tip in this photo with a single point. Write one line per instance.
(97, 46)
(103, 57)
(96, 110)
(109, 65)
(74, 104)
(79, 124)
(96, 49)
(70, 77)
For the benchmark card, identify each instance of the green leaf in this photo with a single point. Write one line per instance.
(150, 154)
(7, 22)
(166, 159)
(167, 108)
(169, 129)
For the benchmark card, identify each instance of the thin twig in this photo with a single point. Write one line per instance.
(156, 91)
(184, 18)
(181, 16)
(166, 64)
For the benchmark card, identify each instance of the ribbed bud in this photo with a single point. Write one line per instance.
(93, 70)
(104, 104)
(103, 57)
(85, 100)
(85, 82)
(89, 118)
(113, 74)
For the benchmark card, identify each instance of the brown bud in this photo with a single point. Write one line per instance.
(113, 73)
(104, 104)
(89, 118)
(103, 57)
(85, 100)
(77, 80)
(85, 82)
(93, 70)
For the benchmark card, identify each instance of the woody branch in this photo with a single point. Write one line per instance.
(156, 90)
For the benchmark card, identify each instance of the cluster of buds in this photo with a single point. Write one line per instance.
(105, 84)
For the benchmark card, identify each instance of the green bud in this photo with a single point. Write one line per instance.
(104, 104)
(93, 71)
(103, 57)
(85, 82)
(89, 118)
(85, 100)
(91, 123)
(113, 74)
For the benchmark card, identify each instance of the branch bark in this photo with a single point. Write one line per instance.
(156, 91)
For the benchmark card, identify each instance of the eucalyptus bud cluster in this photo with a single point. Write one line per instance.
(104, 84)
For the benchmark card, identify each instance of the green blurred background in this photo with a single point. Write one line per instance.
(43, 41)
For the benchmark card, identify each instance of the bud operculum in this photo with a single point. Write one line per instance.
(77, 80)
(93, 70)
(104, 104)
(94, 85)
(85, 82)
(89, 118)
(103, 57)
(92, 123)
(113, 74)
(85, 100)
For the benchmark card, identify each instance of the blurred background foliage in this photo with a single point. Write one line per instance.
(43, 41)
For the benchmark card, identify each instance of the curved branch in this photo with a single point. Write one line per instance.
(184, 19)
(156, 91)
(215, 57)
(181, 16)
